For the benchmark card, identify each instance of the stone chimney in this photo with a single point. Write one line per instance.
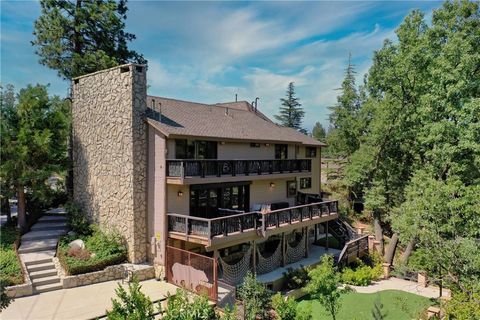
(110, 152)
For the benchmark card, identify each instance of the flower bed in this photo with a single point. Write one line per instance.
(11, 272)
(101, 250)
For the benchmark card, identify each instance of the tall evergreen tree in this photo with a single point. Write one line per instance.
(291, 112)
(34, 131)
(319, 132)
(344, 117)
(76, 37)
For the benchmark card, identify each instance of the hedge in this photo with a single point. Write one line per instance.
(74, 266)
(11, 272)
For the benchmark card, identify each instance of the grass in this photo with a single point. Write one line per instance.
(10, 268)
(397, 305)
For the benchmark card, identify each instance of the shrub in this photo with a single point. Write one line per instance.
(180, 307)
(332, 242)
(255, 297)
(5, 300)
(103, 249)
(361, 276)
(77, 220)
(285, 308)
(296, 278)
(79, 253)
(132, 305)
(10, 268)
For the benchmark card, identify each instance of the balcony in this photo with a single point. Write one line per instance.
(218, 170)
(249, 225)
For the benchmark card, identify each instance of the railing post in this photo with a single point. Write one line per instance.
(290, 216)
(277, 216)
(219, 168)
(234, 168)
(241, 223)
(225, 227)
(210, 236)
(291, 162)
(182, 169)
(247, 167)
(259, 168)
(186, 226)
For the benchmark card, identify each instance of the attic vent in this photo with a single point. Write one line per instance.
(139, 69)
(124, 69)
(76, 81)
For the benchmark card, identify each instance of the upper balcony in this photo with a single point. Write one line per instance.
(231, 229)
(202, 171)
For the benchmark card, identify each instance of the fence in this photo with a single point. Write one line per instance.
(192, 271)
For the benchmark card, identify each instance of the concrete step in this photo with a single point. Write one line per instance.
(48, 287)
(52, 219)
(43, 273)
(49, 226)
(37, 257)
(37, 245)
(41, 267)
(44, 234)
(46, 280)
(56, 211)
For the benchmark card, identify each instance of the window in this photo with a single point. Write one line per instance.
(254, 145)
(310, 152)
(207, 199)
(189, 149)
(281, 151)
(305, 183)
(291, 188)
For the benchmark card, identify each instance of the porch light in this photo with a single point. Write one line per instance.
(267, 144)
(272, 185)
(180, 193)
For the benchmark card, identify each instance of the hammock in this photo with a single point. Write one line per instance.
(296, 253)
(233, 274)
(269, 264)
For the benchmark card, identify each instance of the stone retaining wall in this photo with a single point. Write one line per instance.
(115, 272)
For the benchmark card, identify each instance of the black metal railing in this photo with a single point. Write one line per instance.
(249, 221)
(218, 168)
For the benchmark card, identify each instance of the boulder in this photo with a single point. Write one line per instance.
(77, 244)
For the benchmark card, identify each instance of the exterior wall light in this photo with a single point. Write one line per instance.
(180, 193)
(272, 185)
(267, 144)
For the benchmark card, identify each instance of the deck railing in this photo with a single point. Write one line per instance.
(249, 221)
(353, 249)
(218, 168)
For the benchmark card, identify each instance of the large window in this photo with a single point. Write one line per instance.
(281, 151)
(205, 200)
(310, 152)
(190, 149)
(305, 183)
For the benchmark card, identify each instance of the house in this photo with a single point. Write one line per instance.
(202, 191)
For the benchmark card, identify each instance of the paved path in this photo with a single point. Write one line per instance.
(38, 247)
(399, 284)
(85, 302)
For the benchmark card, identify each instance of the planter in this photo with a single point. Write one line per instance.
(296, 293)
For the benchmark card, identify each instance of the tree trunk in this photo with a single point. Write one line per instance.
(378, 232)
(408, 251)
(22, 213)
(390, 253)
(6, 209)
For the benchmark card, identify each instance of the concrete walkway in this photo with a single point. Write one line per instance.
(87, 302)
(400, 284)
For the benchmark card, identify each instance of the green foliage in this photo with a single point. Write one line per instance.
(10, 268)
(291, 112)
(319, 132)
(34, 131)
(5, 300)
(344, 137)
(304, 312)
(105, 248)
(255, 296)
(131, 305)
(332, 242)
(377, 311)
(230, 313)
(79, 37)
(296, 278)
(463, 307)
(77, 220)
(361, 276)
(285, 308)
(182, 307)
(325, 285)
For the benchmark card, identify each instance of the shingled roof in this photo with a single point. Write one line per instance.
(230, 121)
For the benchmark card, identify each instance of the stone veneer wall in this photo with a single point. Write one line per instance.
(139, 271)
(110, 152)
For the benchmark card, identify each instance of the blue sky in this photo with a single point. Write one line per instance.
(208, 51)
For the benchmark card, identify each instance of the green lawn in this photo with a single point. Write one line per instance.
(397, 305)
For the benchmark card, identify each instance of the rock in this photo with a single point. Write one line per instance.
(77, 244)
(71, 233)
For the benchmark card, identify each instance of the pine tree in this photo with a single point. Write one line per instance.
(345, 116)
(319, 132)
(291, 112)
(77, 37)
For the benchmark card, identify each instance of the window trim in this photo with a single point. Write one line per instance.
(301, 186)
(309, 154)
